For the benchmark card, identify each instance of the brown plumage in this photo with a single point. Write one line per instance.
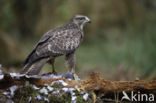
(63, 40)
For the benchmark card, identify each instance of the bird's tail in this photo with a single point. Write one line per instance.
(34, 68)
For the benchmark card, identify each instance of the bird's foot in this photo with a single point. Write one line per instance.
(75, 77)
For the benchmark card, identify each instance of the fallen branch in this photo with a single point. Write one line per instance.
(103, 89)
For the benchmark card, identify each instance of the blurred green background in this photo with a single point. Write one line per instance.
(120, 43)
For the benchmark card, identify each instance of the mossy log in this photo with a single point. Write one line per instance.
(99, 90)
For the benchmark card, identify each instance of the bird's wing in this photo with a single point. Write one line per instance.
(63, 41)
(55, 43)
(43, 39)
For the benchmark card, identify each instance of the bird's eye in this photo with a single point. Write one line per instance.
(80, 18)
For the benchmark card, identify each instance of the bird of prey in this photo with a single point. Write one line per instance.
(63, 40)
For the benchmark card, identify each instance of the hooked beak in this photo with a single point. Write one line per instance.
(88, 20)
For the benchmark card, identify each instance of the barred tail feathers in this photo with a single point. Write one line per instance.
(34, 68)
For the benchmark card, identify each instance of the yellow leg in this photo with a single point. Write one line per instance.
(74, 76)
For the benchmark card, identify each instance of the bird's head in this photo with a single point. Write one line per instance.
(80, 20)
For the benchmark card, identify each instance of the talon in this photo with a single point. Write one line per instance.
(77, 88)
(75, 77)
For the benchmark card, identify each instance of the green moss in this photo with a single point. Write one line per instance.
(23, 94)
(81, 100)
(60, 98)
(56, 85)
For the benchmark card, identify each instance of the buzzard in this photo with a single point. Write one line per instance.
(63, 40)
